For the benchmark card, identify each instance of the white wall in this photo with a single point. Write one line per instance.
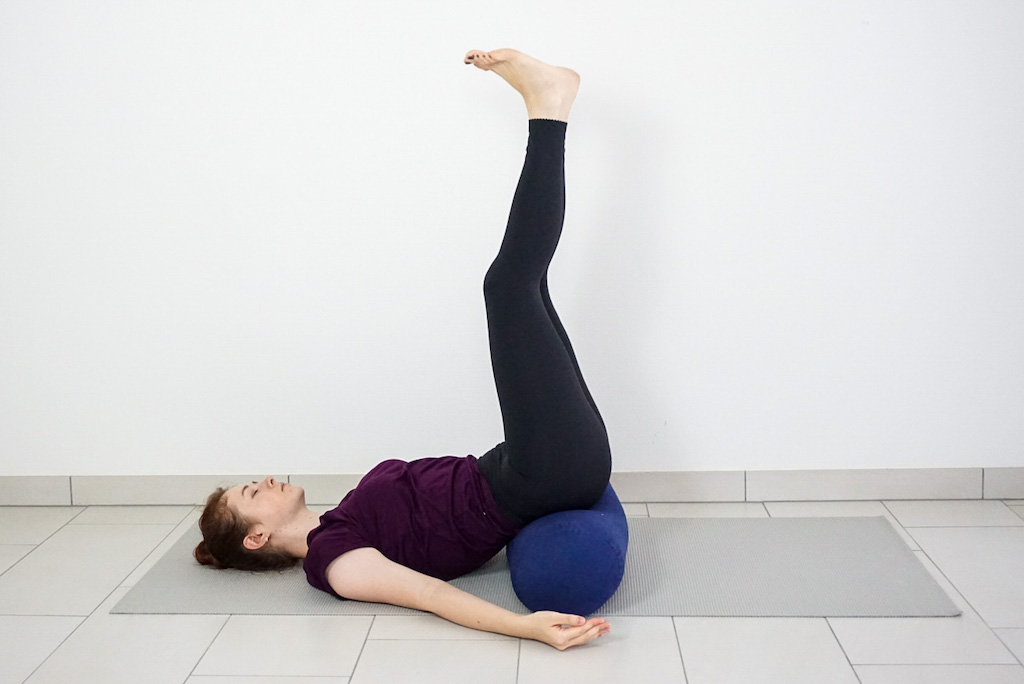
(242, 236)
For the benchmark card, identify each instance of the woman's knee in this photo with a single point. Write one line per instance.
(503, 282)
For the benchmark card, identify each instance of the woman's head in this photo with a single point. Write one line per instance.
(239, 525)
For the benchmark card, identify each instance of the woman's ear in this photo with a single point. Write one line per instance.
(254, 541)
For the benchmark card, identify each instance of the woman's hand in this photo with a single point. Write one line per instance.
(561, 630)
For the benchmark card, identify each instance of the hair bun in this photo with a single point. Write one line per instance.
(203, 555)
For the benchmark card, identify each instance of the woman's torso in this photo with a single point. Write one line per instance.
(434, 515)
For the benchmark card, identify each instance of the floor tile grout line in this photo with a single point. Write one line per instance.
(1018, 658)
(897, 520)
(679, 648)
(151, 552)
(191, 673)
(65, 639)
(48, 537)
(55, 649)
(519, 657)
(841, 648)
(959, 593)
(32, 550)
(366, 639)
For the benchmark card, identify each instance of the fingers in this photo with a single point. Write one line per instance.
(589, 633)
(580, 623)
(590, 629)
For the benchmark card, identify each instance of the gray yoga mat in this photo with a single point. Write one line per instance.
(718, 567)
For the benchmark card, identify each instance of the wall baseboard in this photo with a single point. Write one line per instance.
(637, 487)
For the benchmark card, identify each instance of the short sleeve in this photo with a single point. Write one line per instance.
(324, 547)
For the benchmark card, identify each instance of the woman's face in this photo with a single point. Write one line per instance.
(270, 504)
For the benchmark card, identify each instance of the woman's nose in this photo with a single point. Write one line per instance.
(270, 481)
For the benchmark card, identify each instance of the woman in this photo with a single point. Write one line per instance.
(408, 526)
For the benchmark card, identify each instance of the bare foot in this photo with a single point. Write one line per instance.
(548, 90)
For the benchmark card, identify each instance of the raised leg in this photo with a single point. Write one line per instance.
(555, 455)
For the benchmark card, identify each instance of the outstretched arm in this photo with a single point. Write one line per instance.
(367, 575)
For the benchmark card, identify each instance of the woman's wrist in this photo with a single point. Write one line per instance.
(524, 627)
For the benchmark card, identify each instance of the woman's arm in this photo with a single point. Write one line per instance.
(366, 575)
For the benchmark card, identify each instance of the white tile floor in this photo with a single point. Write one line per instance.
(62, 568)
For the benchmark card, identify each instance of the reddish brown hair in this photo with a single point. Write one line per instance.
(223, 531)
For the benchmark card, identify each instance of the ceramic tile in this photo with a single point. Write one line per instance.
(1014, 640)
(412, 627)
(984, 564)
(45, 490)
(215, 679)
(852, 485)
(33, 524)
(940, 674)
(132, 515)
(825, 509)
(762, 650)
(638, 510)
(76, 568)
(303, 645)
(976, 513)
(325, 490)
(190, 520)
(636, 650)
(1019, 510)
(27, 640)
(437, 662)
(922, 641)
(1004, 483)
(115, 649)
(150, 490)
(707, 510)
(11, 554)
(678, 486)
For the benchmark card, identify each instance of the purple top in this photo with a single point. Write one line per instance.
(434, 515)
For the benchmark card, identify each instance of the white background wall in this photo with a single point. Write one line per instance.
(246, 236)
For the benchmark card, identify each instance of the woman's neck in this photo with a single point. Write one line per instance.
(292, 538)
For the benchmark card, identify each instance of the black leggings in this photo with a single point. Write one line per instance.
(555, 455)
